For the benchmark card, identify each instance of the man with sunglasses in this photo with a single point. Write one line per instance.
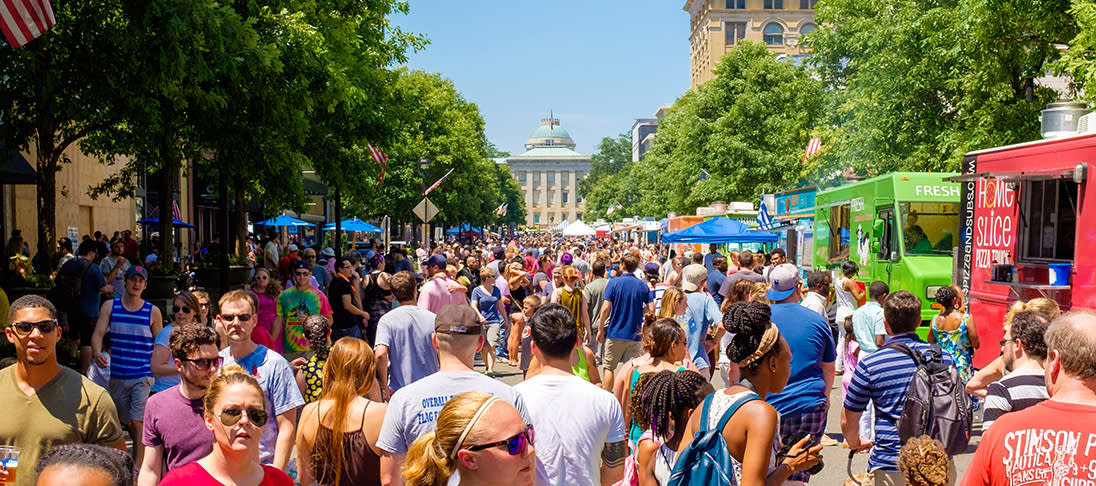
(413, 410)
(175, 432)
(294, 305)
(44, 403)
(133, 324)
(276, 378)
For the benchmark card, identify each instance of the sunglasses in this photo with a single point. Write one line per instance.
(204, 363)
(25, 327)
(255, 416)
(514, 445)
(303, 274)
(262, 277)
(233, 317)
(184, 309)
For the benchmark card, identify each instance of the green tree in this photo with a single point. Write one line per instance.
(917, 84)
(607, 183)
(746, 129)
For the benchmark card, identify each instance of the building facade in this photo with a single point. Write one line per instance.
(549, 171)
(716, 26)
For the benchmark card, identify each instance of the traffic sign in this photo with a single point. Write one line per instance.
(426, 210)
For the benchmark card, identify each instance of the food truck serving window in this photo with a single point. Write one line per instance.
(839, 232)
(929, 227)
(1048, 219)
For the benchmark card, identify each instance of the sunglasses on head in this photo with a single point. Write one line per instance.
(514, 445)
(184, 309)
(233, 317)
(25, 327)
(232, 416)
(204, 363)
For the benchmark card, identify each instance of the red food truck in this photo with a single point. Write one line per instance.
(1023, 210)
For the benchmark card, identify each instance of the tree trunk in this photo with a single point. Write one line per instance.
(239, 223)
(169, 178)
(47, 158)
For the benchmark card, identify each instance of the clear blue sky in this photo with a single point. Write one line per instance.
(597, 64)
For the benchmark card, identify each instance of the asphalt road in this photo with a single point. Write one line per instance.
(836, 457)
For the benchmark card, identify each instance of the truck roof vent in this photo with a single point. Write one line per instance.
(1087, 123)
(1060, 119)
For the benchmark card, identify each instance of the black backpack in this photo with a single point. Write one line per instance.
(65, 294)
(936, 402)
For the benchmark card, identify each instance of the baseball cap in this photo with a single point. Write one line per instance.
(328, 252)
(137, 270)
(651, 268)
(693, 276)
(457, 319)
(302, 264)
(498, 252)
(293, 247)
(783, 280)
(437, 260)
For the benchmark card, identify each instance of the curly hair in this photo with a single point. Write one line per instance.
(667, 398)
(114, 462)
(187, 338)
(924, 462)
(945, 296)
(273, 287)
(747, 322)
(316, 330)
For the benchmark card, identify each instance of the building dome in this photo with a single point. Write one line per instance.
(549, 134)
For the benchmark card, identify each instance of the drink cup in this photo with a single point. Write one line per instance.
(9, 460)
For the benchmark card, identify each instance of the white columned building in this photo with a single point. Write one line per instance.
(549, 171)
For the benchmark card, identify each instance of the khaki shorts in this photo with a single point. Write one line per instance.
(491, 332)
(130, 397)
(619, 351)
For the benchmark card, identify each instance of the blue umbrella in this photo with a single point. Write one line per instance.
(283, 220)
(174, 222)
(354, 224)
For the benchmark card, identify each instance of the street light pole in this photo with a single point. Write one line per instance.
(423, 164)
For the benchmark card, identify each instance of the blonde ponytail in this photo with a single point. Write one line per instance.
(426, 464)
(431, 460)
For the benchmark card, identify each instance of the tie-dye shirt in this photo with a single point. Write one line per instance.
(294, 306)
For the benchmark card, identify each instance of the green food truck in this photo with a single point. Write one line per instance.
(900, 228)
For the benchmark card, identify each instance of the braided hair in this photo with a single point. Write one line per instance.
(924, 462)
(114, 462)
(316, 330)
(667, 397)
(747, 321)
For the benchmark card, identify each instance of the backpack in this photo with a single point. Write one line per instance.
(65, 294)
(936, 402)
(706, 460)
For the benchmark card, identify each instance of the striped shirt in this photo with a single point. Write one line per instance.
(1016, 391)
(883, 378)
(131, 341)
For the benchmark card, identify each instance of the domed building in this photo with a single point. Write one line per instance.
(549, 171)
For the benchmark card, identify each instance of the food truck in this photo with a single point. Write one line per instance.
(1024, 209)
(791, 217)
(899, 228)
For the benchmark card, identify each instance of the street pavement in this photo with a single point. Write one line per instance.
(836, 458)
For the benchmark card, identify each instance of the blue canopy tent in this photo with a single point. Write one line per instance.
(354, 224)
(283, 220)
(718, 230)
(463, 228)
(174, 222)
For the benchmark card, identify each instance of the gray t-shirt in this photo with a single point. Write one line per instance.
(279, 385)
(119, 282)
(406, 331)
(413, 410)
(594, 292)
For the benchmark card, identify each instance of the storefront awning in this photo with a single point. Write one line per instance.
(14, 168)
(1038, 174)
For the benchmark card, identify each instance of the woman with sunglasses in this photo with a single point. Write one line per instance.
(184, 309)
(266, 290)
(235, 410)
(478, 435)
(337, 435)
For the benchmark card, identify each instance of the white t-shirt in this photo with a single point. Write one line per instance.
(573, 420)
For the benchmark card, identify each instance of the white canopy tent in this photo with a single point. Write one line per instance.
(578, 228)
(559, 227)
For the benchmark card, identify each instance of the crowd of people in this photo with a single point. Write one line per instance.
(362, 369)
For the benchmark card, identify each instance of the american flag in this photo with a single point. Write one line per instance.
(436, 184)
(25, 20)
(501, 211)
(175, 211)
(813, 147)
(381, 159)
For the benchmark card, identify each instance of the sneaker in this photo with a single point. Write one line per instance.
(828, 441)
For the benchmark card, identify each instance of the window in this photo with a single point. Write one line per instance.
(807, 29)
(564, 200)
(551, 177)
(550, 200)
(536, 218)
(774, 4)
(928, 227)
(807, 4)
(1048, 219)
(536, 178)
(736, 4)
(888, 241)
(734, 32)
(774, 34)
(549, 142)
(566, 178)
(839, 232)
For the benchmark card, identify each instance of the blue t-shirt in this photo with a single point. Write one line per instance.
(488, 304)
(89, 286)
(628, 296)
(883, 377)
(701, 314)
(279, 384)
(164, 339)
(715, 281)
(809, 337)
